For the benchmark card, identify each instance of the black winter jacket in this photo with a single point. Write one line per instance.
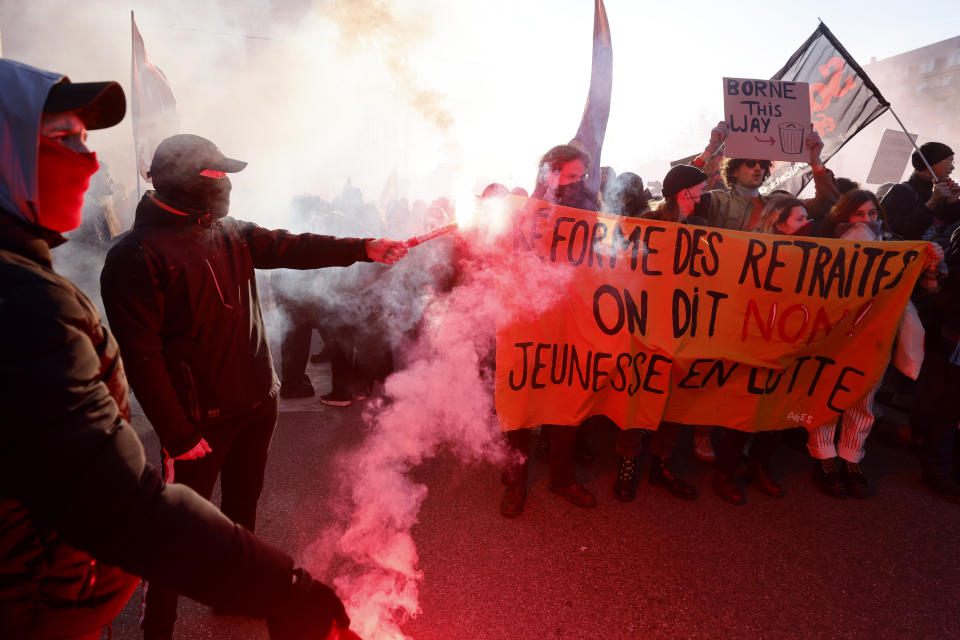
(905, 207)
(74, 485)
(182, 299)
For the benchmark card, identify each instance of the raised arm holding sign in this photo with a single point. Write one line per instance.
(740, 207)
(767, 119)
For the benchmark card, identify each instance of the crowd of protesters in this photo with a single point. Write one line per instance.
(720, 192)
(182, 299)
(363, 336)
(925, 207)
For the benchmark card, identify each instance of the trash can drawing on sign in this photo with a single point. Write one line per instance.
(791, 137)
(760, 112)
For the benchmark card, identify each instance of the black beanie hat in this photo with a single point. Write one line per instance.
(934, 152)
(680, 177)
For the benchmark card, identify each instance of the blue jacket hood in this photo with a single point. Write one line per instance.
(23, 92)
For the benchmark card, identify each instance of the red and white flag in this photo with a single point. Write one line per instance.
(153, 108)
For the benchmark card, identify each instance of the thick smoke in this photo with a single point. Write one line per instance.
(312, 94)
(376, 22)
(442, 400)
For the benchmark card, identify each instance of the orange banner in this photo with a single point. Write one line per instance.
(647, 321)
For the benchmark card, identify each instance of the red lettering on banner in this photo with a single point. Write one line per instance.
(822, 322)
(796, 316)
(766, 332)
(781, 328)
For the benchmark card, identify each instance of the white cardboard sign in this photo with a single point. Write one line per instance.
(768, 119)
(892, 155)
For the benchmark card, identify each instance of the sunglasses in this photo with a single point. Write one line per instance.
(764, 164)
(213, 173)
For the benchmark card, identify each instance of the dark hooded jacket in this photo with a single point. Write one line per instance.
(77, 499)
(905, 206)
(182, 298)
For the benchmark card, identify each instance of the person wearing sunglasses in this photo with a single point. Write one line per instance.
(740, 207)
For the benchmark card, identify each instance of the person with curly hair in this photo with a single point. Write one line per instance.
(741, 207)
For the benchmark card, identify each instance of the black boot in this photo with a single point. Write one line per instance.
(662, 476)
(856, 481)
(625, 486)
(828, 476)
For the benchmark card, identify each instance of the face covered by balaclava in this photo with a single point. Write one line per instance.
(194, 193)
(189, 173)
(63, 177)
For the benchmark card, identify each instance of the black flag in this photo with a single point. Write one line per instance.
(843, 101)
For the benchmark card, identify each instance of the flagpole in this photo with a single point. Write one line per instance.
(914, 143)
(133, 92)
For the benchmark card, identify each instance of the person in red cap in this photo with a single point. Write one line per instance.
(81, 513)
(181, 296)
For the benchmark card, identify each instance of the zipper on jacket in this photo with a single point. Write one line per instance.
(217, 283)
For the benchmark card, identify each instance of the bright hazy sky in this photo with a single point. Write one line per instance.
(308, 106)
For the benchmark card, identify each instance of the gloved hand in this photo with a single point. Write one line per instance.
(307, 612)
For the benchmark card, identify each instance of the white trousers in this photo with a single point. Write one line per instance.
(855, 425)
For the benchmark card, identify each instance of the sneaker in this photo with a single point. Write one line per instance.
(625, 486)
(363, 394)
(299, 389)
(857, 485)
(828, 476)
(334, 399)
(703, 449)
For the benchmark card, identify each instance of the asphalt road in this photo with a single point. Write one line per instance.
(806, 566)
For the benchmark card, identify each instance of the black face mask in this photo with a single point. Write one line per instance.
(197, 194)
(570, 195)
(703, 207)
